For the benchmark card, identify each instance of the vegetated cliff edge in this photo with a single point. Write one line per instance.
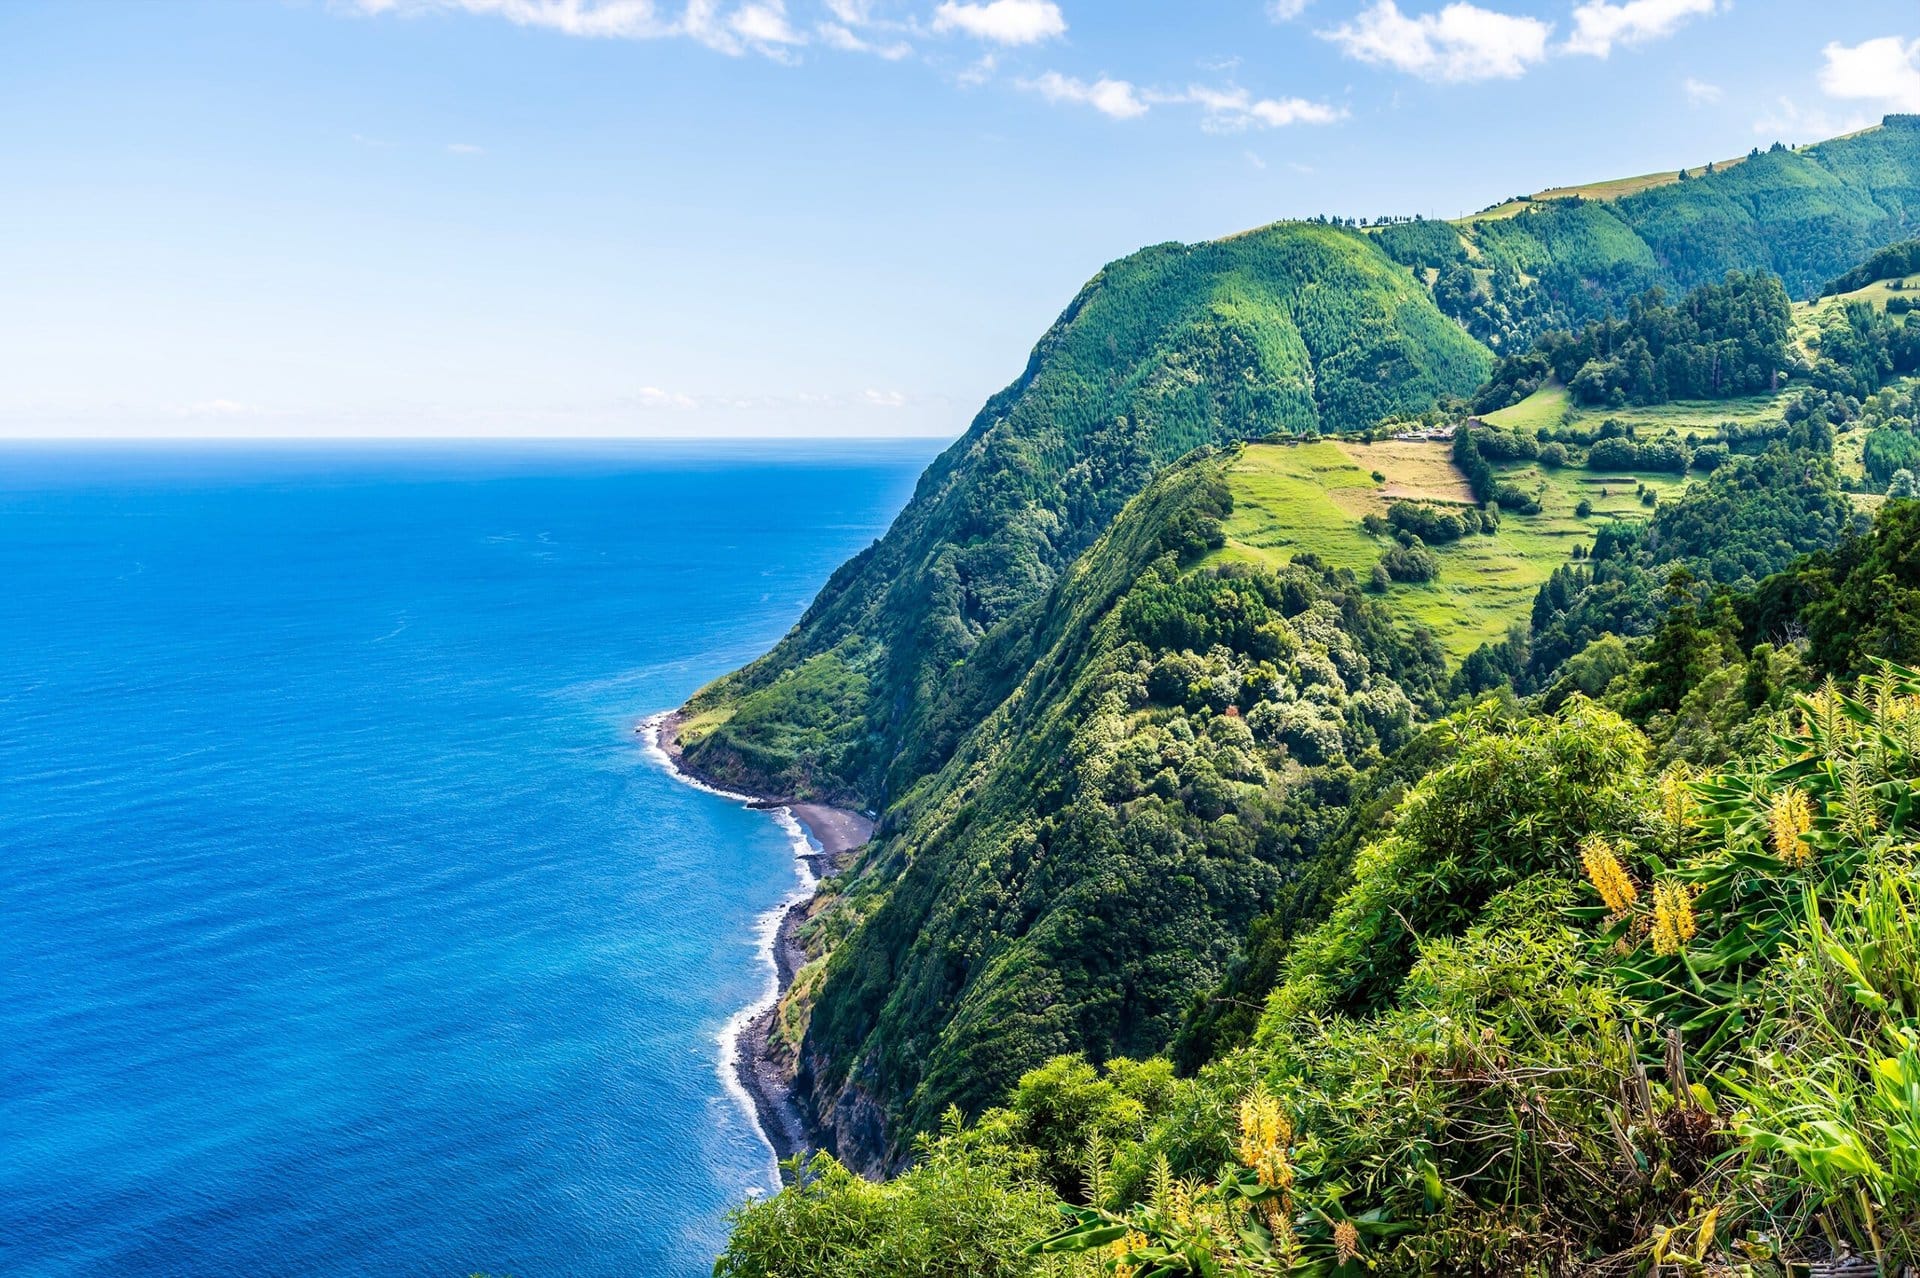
(946, 675)
(1291, 328)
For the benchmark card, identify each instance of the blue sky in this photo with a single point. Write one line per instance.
(562, 217)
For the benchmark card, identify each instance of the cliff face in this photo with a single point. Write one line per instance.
(1090, 855)
(1291, 328)
(1076, 826)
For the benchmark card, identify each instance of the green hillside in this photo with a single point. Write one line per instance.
(1804, 214)
(1472, 838)
(1124, 715)
(1088, 857)
(1310, 498)
(1291, 328)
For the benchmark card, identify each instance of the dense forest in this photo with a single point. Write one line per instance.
(1292, 328)
(1216, 923)
(1721, 340)
(1565, 983)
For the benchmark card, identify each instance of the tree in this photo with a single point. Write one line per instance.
(1690, 643)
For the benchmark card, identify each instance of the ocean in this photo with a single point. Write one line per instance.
(345, 928)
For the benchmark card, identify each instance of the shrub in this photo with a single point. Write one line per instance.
(1411, 563)
(1613, 454)
(967, 1209)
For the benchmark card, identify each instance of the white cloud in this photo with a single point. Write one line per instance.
(654, 397)
(857, 28)
(835, 36)
(1598, 25)
(764, 24)
(759, 24)
(1460, 42)
(1226, 110)
(1699, 92)
(1231, 110)
(1002, 21)
(465, 148)
(1789, 122)
(604, 19)
(1286, 10)
(977, 73)
(1886, 71)
(886, 398)
(1116, 98)
(1254, 160)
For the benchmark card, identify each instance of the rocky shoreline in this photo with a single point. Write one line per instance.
(763, 1064)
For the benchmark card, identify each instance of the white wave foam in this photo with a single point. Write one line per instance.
(766, 929)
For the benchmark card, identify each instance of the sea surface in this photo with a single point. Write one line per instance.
(344, 926)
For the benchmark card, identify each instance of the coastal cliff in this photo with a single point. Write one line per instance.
(1032, 892)
(764, 1062)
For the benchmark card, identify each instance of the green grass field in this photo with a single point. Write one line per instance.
(1295, 498)
(1698, 416)
(1848, 447)
(1545, 407)
(1551, 407)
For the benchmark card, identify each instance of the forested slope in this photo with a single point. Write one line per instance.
(1594, 998)
(1803, 214)
(1104, 758)
(1291, 328)
(1294, 327)
(1092, 855)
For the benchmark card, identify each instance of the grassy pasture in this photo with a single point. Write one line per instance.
(1551, 407)
(1700, 416)
(1611, 189)
(1415, 470)
(1545, 407)
(1295, 498)
(697, 726)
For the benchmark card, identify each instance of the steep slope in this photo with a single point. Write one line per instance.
(1088, 859)
(1287, 329)
(1097, 759)
(1293, 327)
(1804, 215)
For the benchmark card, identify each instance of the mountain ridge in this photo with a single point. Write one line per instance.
(904, 686)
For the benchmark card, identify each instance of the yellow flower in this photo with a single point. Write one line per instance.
(1265, 1134)
(1609, 879)
(1135, 1241)
(1346, 1242)
(1791, 818)
(1676, 799)
(1180, 1204)
(1829, 715)
(1673, 921)
(1860, 811)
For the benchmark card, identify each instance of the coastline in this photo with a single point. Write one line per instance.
(753, 1065)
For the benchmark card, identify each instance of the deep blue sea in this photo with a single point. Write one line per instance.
(344, 928)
